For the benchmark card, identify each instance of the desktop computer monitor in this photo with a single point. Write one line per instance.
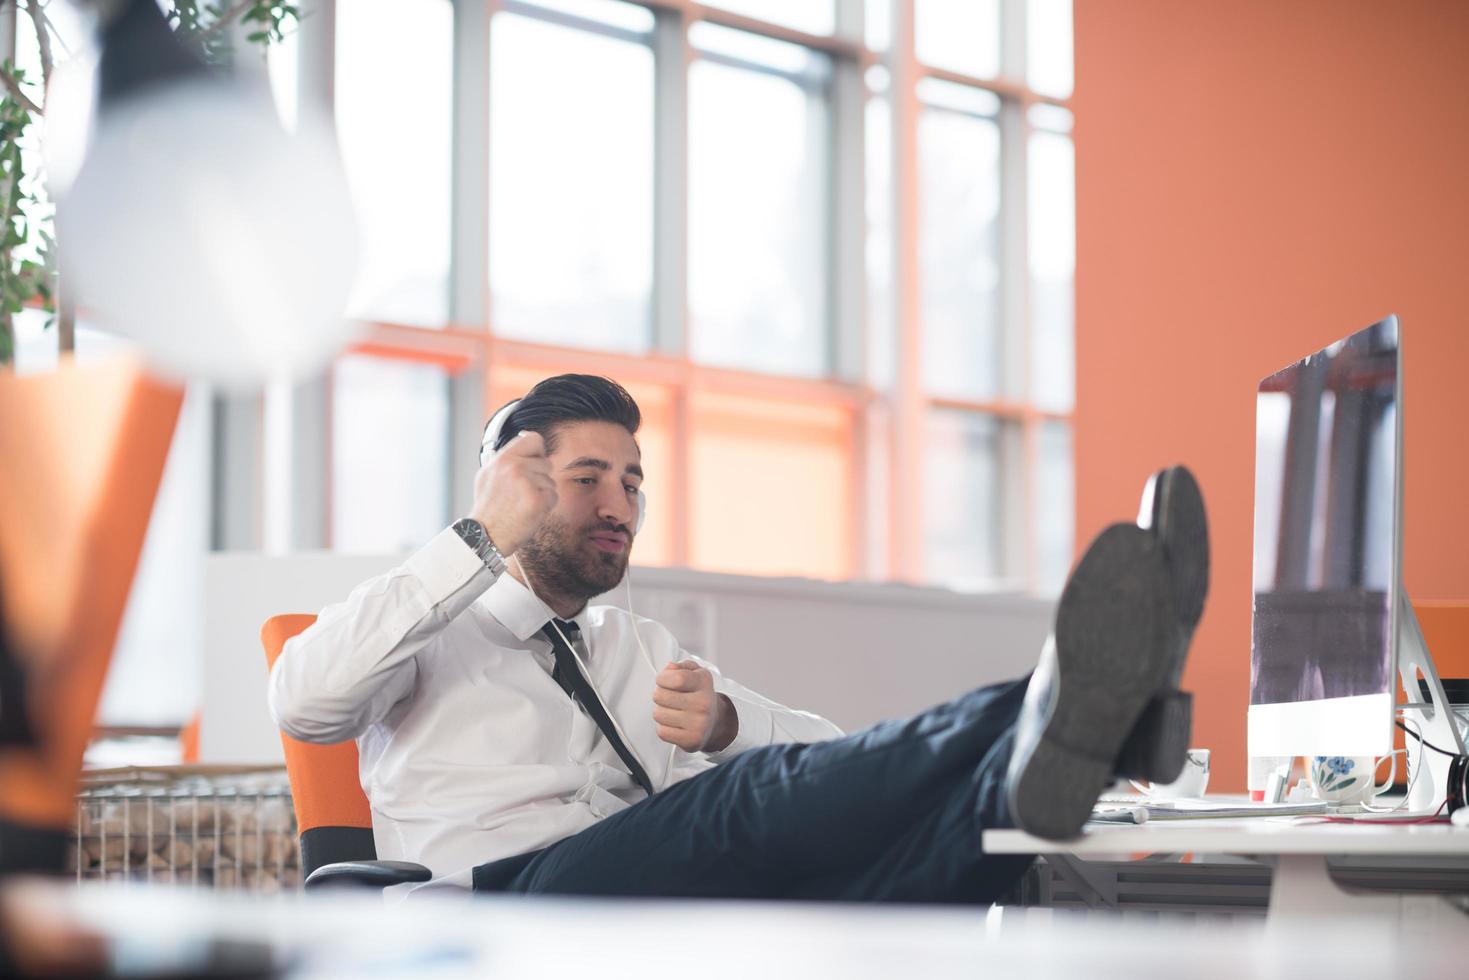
(1328, 548)
(1333, 629)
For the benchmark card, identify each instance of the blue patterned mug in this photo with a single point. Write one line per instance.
(1348, 779)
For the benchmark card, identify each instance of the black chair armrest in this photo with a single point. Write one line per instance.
(366, 874)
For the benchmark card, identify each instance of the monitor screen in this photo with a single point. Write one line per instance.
(1327, 478)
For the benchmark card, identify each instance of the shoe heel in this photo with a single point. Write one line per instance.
(1157, 746)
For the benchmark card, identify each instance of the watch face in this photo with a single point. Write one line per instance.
(472, 532)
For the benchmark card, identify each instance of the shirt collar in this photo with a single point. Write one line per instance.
(518, 610)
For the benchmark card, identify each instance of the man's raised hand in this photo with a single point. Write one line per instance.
(514, 491)
(689, 712)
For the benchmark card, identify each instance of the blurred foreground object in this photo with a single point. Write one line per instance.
(196, 225)
(83, 451)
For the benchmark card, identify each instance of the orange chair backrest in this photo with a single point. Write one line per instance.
(82, 450)
(324, 782)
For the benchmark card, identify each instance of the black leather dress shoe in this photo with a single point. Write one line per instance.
(1113, 648)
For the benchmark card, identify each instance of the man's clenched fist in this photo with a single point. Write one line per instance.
(514, 491)
(688, 711)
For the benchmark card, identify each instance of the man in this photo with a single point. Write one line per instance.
(513, 738)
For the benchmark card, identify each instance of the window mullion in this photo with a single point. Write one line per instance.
(1015, 347)
(469, 300)
(845, 274)
(296, 418)
(906, 526)
(671, 59)
(1019, 453)
(469, 229)
(670, 307)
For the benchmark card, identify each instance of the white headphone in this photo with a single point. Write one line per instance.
(487, 447)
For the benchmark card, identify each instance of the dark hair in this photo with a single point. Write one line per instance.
(570, 398)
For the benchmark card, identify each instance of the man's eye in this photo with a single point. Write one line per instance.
(629, 488)
(586, 481)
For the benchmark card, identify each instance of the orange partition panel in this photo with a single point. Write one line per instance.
(83, 449)
(1445, 625)
(1256, 179)
(325, 786)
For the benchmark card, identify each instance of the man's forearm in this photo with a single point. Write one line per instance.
(355, 662)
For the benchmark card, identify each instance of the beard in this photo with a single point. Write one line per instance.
(561, 564)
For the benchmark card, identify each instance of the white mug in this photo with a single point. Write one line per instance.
(1349, 779)
(1190, 784)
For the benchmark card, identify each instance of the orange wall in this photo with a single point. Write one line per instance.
(1256, 178)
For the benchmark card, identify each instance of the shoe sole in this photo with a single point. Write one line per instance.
(1114, 639)
(1157, 748)
(1182, 528)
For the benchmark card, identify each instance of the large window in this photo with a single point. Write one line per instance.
(829, 246)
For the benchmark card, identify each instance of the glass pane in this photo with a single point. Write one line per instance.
(780, 55)
(959, 249)
(944, 94)
(757, 212)
(961, 494)
(877, 23)
(394, 101)
(1043, 115)
(1055, 512)
(627, 16)
(571, 186)
(882, 341)
(282, 62)
(811, 16)
(1048, 60)
(959, 35)
(1052, 199)
(390, 454)
(772, 485)
(156, 665)
(36, 350)
(654, 544)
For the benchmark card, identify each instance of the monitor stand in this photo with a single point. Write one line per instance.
(1433, 718)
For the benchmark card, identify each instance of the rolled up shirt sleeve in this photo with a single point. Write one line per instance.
(345, 672)
(763, 721)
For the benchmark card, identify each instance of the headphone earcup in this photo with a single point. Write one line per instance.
(493, 429)
(642, 511)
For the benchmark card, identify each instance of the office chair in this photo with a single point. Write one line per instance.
(332, 814)
(82, 450)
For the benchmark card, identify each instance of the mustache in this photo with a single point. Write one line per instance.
(607, 526)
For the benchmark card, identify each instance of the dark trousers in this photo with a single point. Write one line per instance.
(891, 813)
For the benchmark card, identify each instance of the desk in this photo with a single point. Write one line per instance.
(1302, 891)
(163, 929)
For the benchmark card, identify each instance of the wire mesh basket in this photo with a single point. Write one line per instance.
(205, 827)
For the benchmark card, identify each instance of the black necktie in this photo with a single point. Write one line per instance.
(569, 676)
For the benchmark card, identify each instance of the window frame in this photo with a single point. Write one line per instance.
(888, 421)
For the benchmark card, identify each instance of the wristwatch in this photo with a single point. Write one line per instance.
(473, 533)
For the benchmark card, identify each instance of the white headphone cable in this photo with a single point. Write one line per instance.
(633, 620)
(1414, 769)
(586, 673)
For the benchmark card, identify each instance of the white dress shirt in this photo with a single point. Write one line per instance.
(469, 750)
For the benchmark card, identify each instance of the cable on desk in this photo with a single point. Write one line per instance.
(1425, 742)
(1437, 816)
